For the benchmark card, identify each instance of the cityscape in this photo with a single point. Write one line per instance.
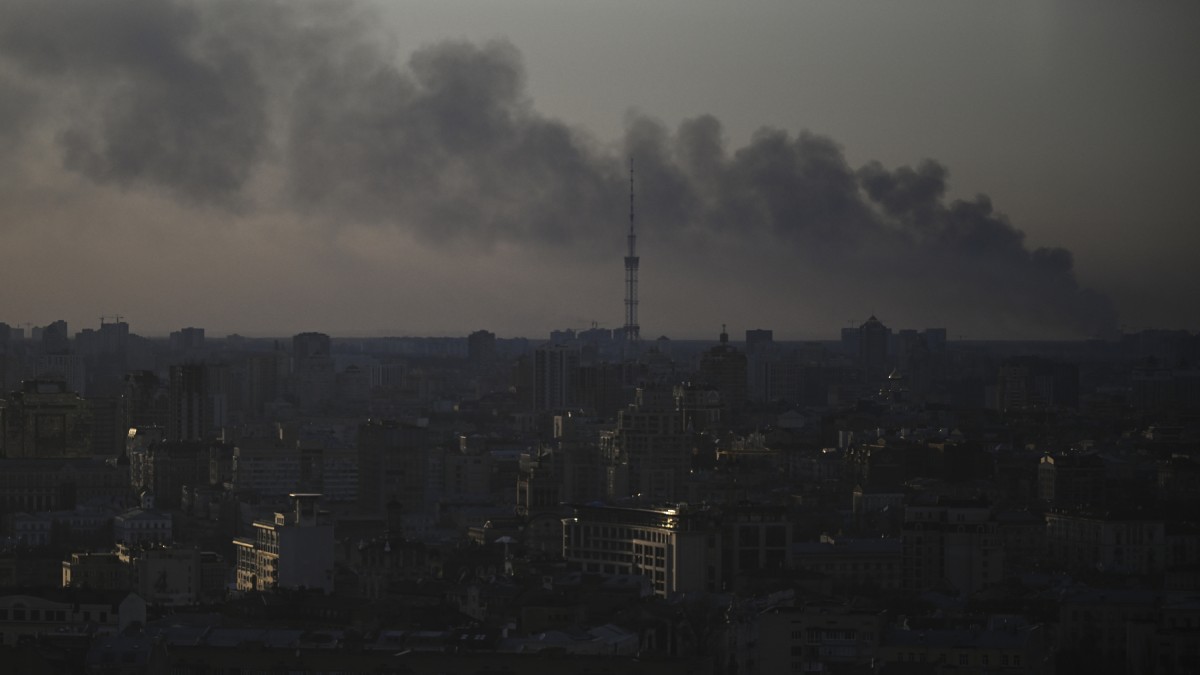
(895, 500)
(416, 371)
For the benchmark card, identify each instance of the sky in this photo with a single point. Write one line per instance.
(433, 167)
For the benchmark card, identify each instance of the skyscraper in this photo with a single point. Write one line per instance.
(55, 339)
(555, 377)
(759, 338)
(190, 417)
(873, 349)
(312, 371)
(761, 363)
(724, 367)
(481, 348)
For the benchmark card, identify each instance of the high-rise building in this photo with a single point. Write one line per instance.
(700, 406)
(481, 348)
(873, 349)
(165, 469)
(146, 400)
(762, 364)
(1032, 383)
(724, 367)
(187, 339)
(55, 338)
(69, 368)
(114, 338)
(555, 377)
(394, 465)
(264, 379)
(108, 425)
(650, 451)
(190, 411)
(308, 348)
(312, 371)
(757, 338)
(602, 390)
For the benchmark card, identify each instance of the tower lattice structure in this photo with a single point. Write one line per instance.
(632, 330)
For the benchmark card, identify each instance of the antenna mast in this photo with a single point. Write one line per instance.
(631, 275)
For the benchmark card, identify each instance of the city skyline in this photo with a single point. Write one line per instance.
(433, 168)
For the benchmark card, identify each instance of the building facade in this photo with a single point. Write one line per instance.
(292, 550)
(677, 549)
(951, 545)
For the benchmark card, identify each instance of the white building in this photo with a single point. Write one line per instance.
(142, 526)
(292, 550)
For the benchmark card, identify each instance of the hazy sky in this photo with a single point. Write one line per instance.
(1017, 169)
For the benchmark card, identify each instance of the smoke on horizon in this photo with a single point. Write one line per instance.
(232, 107)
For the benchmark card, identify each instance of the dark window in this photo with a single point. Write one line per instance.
(776, 535)
(748, 535)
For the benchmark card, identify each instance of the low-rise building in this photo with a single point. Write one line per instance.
(951, 543)
(1124, 543)
(142, 526)
(101, 571)
(27, 615)
(1093, 633)
(1004, 645)
(33, 485)
(817, 637)
(1071, 480)
(84, 526)
(172, 577)
(852, 563)
(162, 576)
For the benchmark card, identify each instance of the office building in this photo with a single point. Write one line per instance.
(677, 549)
(555, 377)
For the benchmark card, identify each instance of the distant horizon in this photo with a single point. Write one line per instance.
(735, 336)
(1003, 171)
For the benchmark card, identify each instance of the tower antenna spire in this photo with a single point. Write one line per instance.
(631, 202)
(631, 275)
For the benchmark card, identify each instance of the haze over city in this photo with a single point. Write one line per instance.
(667, 338)
(425, 168)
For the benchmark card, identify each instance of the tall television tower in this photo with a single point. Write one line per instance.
(631, 275)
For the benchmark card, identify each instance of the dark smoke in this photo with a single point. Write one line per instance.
(449, 146)
(198, 99)
(17, 104)
(156, 104)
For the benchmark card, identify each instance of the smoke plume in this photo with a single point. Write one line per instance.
(201, 102)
